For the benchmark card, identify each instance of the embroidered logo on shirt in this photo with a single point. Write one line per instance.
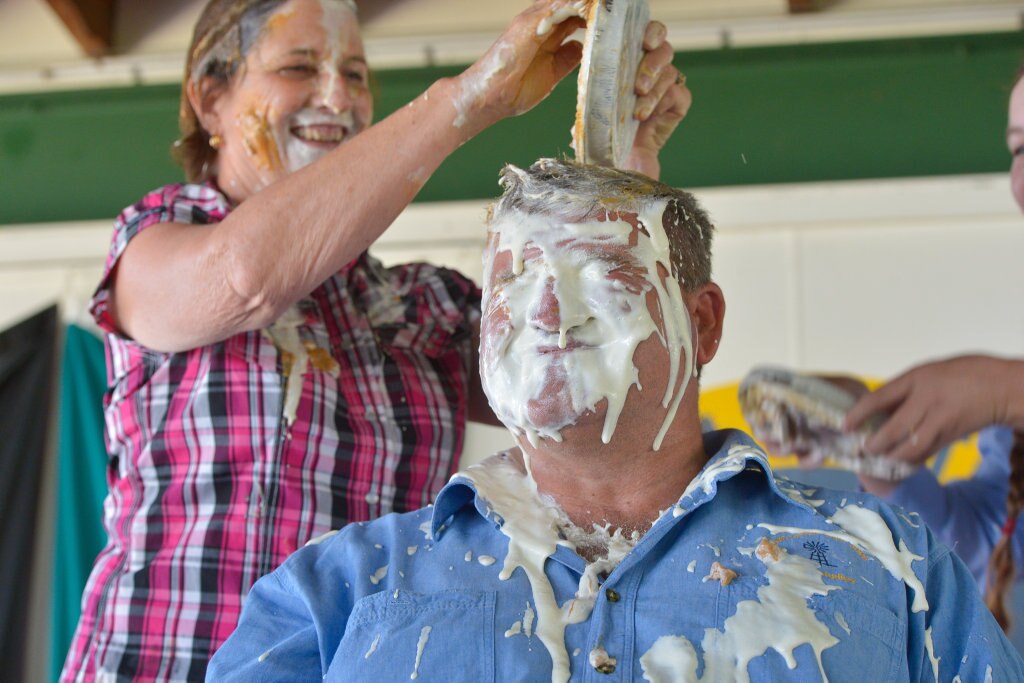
(818, 553)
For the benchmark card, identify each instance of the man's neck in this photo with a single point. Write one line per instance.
(625, 484)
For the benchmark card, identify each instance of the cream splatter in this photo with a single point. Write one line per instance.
(866, 530)
(734, 461)
(420, 646)
(514, 630)
(779, 619)
(263, 657)
(528, 618)
(473, 85)
(373, 647)
(768, 550)
(485, 560)
(671, 659)
(411, 550)
(560, 14)
(532, 531)
(600, 660)
(720, 573)
(284, 334)
(419, 177)
(317, 540)
(379, 575)
(929, 646)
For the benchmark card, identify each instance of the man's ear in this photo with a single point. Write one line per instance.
(204, 95)
(707, 308)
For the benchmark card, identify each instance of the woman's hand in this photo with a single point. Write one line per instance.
(662, 101)
(933, 404)
(522, 67)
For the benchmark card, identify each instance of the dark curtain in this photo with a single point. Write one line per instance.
(26, 377)
(81, 483)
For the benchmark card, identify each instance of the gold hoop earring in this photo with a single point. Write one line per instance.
(216, 141)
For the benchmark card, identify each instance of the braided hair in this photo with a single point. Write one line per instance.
(1001, 565)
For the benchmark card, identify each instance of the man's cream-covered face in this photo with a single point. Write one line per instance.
(575, 315)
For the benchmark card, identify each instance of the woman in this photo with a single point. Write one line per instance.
(934, 404)
(268, 381)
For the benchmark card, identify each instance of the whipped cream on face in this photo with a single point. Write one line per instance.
(578, 272)
(314, 124)
(316, 127)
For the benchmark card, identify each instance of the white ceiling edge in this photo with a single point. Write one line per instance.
(455, 49)
(921, 201)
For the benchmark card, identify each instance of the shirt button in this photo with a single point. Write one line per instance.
(612, 595)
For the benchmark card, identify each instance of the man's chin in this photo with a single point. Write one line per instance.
(556, 419)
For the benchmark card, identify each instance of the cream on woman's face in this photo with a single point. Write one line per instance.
(302, 91)
(575, 315)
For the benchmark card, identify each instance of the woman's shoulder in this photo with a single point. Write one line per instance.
(179, 203)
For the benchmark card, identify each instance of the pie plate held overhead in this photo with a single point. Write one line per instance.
(612, 48)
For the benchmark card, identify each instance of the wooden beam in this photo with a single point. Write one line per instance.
(90, 22)
(804, 6)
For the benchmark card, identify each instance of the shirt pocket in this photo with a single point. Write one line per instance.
(401, 635)
(860, 623)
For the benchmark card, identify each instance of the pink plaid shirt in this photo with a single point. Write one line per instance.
(211, 488)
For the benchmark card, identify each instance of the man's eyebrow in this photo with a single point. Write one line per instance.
(1013, 129)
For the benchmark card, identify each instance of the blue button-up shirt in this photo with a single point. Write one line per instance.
(419, 596)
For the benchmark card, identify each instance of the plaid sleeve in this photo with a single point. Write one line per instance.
(170, 204)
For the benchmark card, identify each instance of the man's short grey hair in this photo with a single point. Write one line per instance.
(579, 192)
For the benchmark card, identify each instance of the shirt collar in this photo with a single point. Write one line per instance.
(733, 453)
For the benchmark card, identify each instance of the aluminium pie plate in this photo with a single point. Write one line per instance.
(612, 48)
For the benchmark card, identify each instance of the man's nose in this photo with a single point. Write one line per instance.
(546, 313)
(557, 311)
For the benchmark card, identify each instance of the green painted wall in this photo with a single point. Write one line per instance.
(760, 115)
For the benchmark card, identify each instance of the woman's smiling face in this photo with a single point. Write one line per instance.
(1015, 142)
(302, 91)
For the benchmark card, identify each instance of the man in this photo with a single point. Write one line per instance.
(617, 539)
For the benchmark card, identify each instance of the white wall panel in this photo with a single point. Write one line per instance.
(879, 298)
(756, 271)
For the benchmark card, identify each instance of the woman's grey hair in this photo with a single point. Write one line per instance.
(580, 192)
